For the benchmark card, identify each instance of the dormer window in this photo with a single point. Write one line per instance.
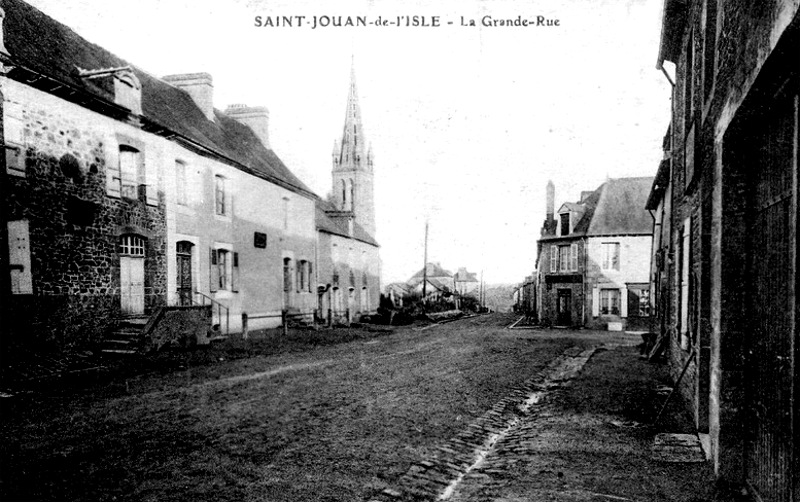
(565, 230)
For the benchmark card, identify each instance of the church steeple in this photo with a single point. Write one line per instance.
(353, 163)
(352, 147)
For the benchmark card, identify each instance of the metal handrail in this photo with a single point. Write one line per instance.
(220, 307)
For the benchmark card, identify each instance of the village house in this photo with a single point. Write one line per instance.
(725, 205)
(593, 258)
(129, 196)
(466, 283)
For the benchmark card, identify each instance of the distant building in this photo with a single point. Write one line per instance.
(725, 250)
(466, 283)
(593, 258)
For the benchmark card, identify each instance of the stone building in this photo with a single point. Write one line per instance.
(129, 193)
(726, 260)
(593, 258)
(349, 261)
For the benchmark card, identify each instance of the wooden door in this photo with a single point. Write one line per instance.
(184, 258)
(772, 262)
(564, 307)
(132, 284)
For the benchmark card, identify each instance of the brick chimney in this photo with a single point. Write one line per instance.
(257, 118)
(200, 88)
(551, 201)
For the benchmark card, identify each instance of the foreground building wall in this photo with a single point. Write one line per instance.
(732, 314)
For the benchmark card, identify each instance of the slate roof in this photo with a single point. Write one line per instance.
(435, 270)
(326, 223)
(616, 207)
(39, 43)
(621, 208)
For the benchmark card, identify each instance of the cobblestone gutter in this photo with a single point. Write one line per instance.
(438, 477)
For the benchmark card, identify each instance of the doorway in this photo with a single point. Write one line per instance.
(564, 307)
(184, 258)
(131, 267)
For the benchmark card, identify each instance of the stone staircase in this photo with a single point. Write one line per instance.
(127, 337)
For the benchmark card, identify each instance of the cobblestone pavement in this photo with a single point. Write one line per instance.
(572, 432)
(469, 457)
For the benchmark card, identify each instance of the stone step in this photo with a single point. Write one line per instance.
(119, 351)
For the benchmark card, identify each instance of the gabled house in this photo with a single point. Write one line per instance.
(593, 258)
(725, 249)
(466, 283)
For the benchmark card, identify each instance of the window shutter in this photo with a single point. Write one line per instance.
(19, 257)
(297, 273)
(573, 257)
(235, 273)
(595, 301)
(112, 175)
(14, 130)
(553, 258)
(150, 171)
(213, 271)
(310, 275)
(616, 256)
(623, 302)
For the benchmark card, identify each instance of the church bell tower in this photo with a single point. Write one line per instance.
(352, 166)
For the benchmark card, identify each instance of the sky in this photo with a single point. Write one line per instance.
(467, 123)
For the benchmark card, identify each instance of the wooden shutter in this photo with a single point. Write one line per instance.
(213, 271)
(623, 302)
(310, 275)
(553, 258)
(235, 273)
(149, 170)
(19, 257)
(595, 301)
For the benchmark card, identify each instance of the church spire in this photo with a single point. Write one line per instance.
(352, 146)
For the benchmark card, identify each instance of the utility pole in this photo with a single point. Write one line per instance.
(480, 292)
(425, 266)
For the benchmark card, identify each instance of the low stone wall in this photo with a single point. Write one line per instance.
(181, 326)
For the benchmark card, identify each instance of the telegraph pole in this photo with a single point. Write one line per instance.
(425, 265)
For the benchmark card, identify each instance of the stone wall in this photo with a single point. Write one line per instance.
(74, 227)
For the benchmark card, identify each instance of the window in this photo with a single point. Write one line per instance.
(352, 279)
(222, 269)
(310, 277)
(287, 274)
(285, 213)
(709, 45)
(302, 271)
(344, 195)
(563, 258)
(553, 258)
(609, 301)
(564, 224)
(685, 267)
(352, 196)
(129, 167)
(611, 256)
(573, 257)
(132, 245)
(219, 195)
(180, 183)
